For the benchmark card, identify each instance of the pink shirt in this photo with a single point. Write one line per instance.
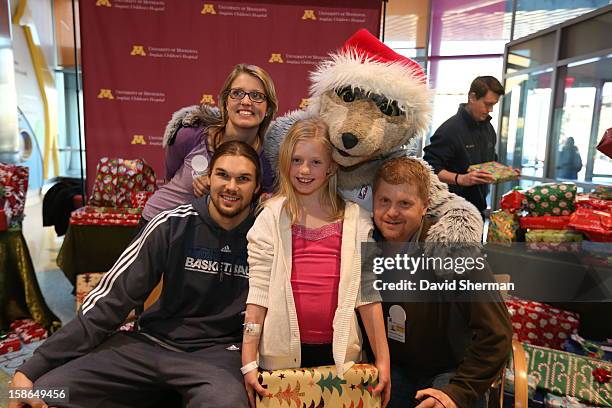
(315, 275)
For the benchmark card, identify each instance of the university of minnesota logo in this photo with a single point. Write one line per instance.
(207, 99)
(304, 103)
(138, 50)
(276, 58)
(105, 94)
(208, 9)
(138, 139)
(103, 3)
(309, 15)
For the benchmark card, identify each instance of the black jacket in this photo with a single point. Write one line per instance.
(205, 273)
(458, 143)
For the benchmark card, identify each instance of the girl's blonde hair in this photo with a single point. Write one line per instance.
(307, 130)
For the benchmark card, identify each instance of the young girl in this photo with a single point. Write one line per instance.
(305, 272)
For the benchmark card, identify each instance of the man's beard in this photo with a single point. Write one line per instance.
(228, 213)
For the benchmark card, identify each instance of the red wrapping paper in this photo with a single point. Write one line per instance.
(541, 324)
(594, 203)
(545, 222)
(33, 334)
(89, 215)
(512, 201)
(10, 344)
(14, 179)
(595, 223)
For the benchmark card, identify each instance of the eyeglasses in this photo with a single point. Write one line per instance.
(255, 96)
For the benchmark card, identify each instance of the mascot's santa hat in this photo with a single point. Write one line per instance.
(366, 63)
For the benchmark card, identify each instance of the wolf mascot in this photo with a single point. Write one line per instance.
(376, 104)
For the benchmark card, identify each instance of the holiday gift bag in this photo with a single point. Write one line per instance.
(541, 324)
(118, 180)
(320, 387)
(563, 373)
(551, 199)
(499, 171)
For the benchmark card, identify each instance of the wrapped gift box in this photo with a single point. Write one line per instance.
(555, 401)
(541, 324)
(548, 222)
(117, 180)
(85, 283)
(9, 344)
(33, 334)
(553, 240)
(503, 226)
(588, 201)
(551, 199)
(90, 215)
(596, 224)
(14, 180)
(320, 387)
(139, 200)
(512, 201)
(563, 373)
(602, 192)
(499, 171)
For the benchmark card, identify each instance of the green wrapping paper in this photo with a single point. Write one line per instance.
(499, 171)
(569, 374)
(502, 227)
(551, 199)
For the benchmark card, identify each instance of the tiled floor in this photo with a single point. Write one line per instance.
(44, 246)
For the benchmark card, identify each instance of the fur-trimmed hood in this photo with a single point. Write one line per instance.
(189, 116)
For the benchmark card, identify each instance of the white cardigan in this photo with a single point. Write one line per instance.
(270, 254)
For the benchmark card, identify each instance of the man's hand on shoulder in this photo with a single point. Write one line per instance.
(433, 398)
(20, 381)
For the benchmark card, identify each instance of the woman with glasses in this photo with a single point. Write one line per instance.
(247, 105)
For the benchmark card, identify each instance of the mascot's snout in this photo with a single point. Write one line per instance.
(349, 140)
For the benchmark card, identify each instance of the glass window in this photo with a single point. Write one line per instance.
(586, 37)
(532, 16)
(584, 115)
(524, 122)
(451, 79)
(531, 53)
(468, 27)
(406, 27)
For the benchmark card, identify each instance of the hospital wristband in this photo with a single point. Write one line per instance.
(249, 367)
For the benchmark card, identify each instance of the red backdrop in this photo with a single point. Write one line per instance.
(144, 59)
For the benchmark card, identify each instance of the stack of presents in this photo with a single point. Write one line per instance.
(13, 191)
(563, 369)
(120, 192)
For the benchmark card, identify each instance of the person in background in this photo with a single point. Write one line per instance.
(444, 354)
(305, 270)
(468, 138)
(188, 340)
(570, 162)
(248, 104)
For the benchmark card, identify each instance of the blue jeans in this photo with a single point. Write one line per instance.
(404, 388)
